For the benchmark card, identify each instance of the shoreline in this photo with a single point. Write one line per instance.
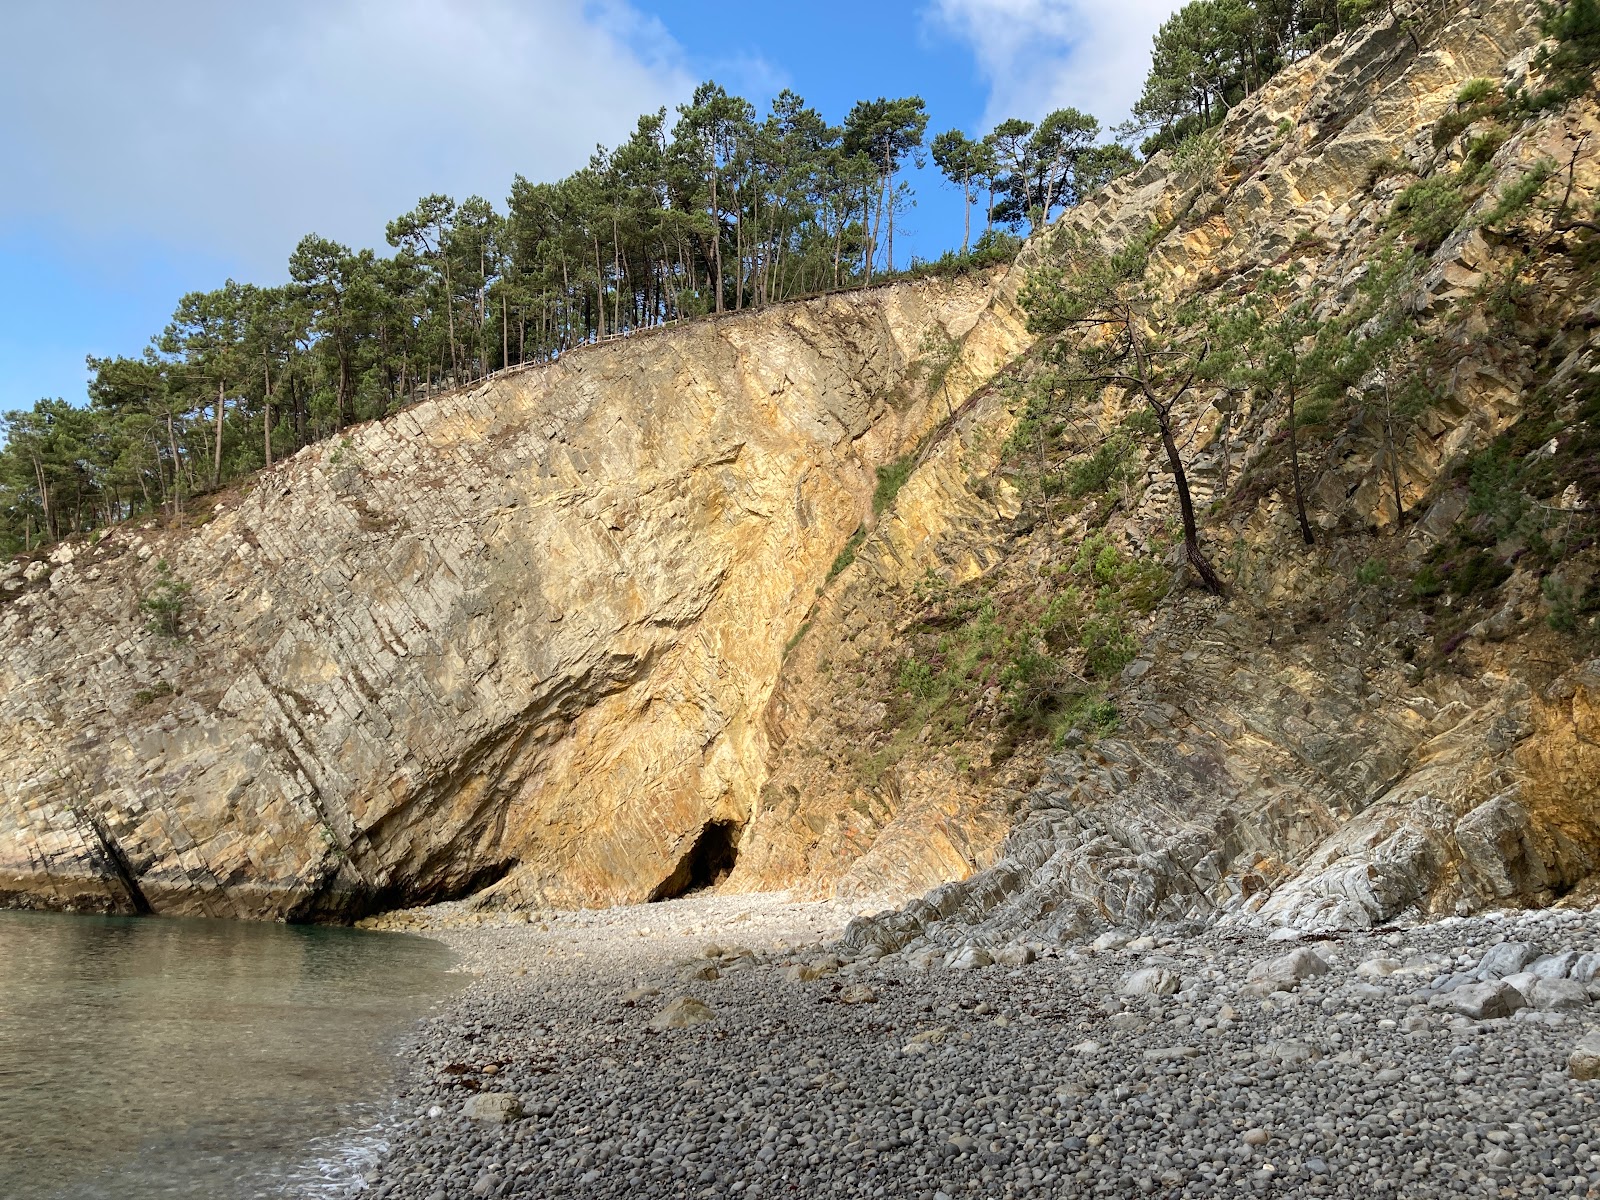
(1159, 1065)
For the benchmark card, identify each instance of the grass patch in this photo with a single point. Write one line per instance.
(891, 479)
(847, 555)
(799, 635)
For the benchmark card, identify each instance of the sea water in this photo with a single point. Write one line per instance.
(200, 1060)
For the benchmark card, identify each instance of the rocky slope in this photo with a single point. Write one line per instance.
(530, 629)
(608, 629)
(1403, 717)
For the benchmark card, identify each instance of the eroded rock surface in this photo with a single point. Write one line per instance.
(528, 629)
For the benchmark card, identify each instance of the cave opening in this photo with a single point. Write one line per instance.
(707, 863)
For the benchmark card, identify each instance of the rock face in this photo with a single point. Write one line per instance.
(528, 631)
(1280, 758)
(632, 623)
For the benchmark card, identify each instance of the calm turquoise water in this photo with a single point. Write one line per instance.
(199, 1060)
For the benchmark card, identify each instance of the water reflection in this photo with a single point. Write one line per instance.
(147, 1057)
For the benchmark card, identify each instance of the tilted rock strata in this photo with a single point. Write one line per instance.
(1280, 759)
(532, 626)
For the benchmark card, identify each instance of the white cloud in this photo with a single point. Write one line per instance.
(1039, 55)
(233, 129)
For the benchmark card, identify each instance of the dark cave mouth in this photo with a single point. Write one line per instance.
(707, 863)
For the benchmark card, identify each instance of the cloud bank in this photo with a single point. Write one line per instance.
(234, 129)
(1039, 55)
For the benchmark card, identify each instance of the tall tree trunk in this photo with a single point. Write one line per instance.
(44, 499)
(177, 483)
(966, 212)
(1294, 470)
(716, 232)
(888, 200)
(738, 251)
(449, 307)
(216, 460)
(266, 412)
(1191, 531)
(599, 294)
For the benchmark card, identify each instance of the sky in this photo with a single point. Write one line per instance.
(163, 147)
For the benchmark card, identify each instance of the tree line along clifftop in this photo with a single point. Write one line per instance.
(715, 211)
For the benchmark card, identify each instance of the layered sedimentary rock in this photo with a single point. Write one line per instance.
(1280, 756)
(584, 634)
(529, 629)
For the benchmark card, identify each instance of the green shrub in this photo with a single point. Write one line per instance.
(1478, 574)
(1427, 583)
(146, 696)
(847, 555)
(1107, 466)
(1431, 210)
(799, 634)
(1474, 91)
(1516, 197)
(165, 602)
(890, 480)
(1570, 62)
(1372, 573)
(916, 677)
(993, 249)
(1107, 646)
(1481, 151)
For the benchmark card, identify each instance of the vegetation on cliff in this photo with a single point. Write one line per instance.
(717, 210)
(1270, 380)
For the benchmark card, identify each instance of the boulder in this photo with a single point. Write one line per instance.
(1286, 972)
(1554, 966)
(494, 1108)
(1506, 959)
(1151, 981)
(968, 958)
(683, 1013)
(1584, 1061)
(1015, 956)
(1482, 1001)
(1559, 995)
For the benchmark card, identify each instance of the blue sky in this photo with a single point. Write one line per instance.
(164, 147)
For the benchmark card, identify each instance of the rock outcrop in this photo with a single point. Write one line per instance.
(525, 633)
(633, 622)
(1281, 756)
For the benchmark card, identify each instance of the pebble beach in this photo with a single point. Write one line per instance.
(719, 1046)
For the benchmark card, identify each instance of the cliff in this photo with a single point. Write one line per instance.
(530, 629)
(756, 601)
(1400, 719)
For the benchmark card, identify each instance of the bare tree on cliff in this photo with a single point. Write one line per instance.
(1277, 346)
(1112, 328)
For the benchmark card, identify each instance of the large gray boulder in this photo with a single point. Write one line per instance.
(1286, 972)
(493, 1108)
(1151, 981)
(1482, 1001)
(1507, 958)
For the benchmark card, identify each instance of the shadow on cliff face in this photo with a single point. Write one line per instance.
(708, 862)
(347, 897)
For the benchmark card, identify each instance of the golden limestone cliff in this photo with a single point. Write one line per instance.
(531, 628)
(753, 600)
